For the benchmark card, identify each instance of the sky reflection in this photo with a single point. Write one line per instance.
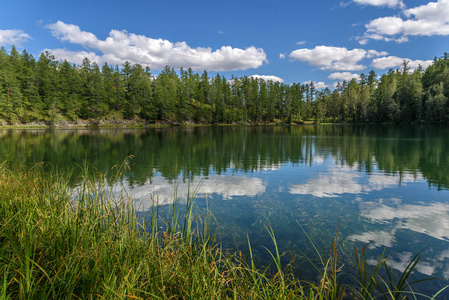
(339, 180)
(385, 194)
(431, 219)
(161, 191)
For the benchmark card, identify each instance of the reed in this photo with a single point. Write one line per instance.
(57, 242)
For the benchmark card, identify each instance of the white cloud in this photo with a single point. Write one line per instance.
(75, 56)
(281, 56)
(389, 3)
(121, 46)
(394, 62)
(13, 37)
(362, 40)
(373, 53)
(432, 11)
(268, 78)
(318, 85)
(331, 58)
(73, 34)
(301, 43)
(425, 20)
(347, 76)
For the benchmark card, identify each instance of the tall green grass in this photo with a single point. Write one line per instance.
(59, 244)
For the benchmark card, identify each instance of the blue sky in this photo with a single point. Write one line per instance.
(291, 41)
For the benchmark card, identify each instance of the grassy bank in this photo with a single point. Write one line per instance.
(60, 244)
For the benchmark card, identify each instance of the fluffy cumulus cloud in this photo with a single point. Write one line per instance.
(394, 62)
(347, 76)
(424, 20)
(74, 56)
(431, 11)
(334, 58)
(268, 78)
(320, 85)
(121, 46)
(389, 3)
(317, 84)
(13, 37)
(374, 53)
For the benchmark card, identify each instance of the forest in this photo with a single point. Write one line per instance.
(50, 91)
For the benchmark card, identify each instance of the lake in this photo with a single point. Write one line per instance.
(384, 186)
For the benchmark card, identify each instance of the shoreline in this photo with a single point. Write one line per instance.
(117, 123)
(88, 124)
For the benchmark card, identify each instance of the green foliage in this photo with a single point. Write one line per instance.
(41, 90)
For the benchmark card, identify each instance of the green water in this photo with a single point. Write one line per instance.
(387, 186)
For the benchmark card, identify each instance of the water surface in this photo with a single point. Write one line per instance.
(385, 186)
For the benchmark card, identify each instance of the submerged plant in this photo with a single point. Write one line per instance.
(365, 281)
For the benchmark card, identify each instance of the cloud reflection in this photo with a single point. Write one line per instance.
(347, 180)
(329, 185)
(375, 239)
(432, 219)
(161, 191)
(402, 260)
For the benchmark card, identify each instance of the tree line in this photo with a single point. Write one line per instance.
(400, 96)
(49, 90)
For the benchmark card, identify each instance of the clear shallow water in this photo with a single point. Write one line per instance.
(385, 186)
